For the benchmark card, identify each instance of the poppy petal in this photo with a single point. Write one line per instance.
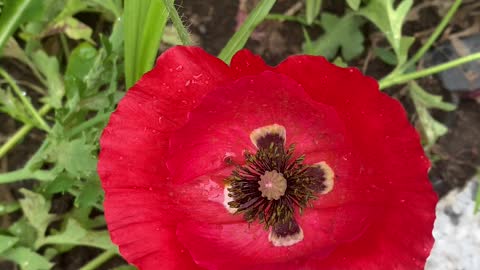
(134, 146)
(393, 160)
(245, 63)
(221, 124)
(139, 223)
(218, 130)
(245, 245)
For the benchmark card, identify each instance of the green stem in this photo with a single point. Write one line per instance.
(25, 173)
(9, 208)
(21, 133)
(34, 113)
(98, 261)
(281, 17)
(399, 79)
(36, 161)
(177, 22)
(64, 42)
(441, 26)
(98, 119)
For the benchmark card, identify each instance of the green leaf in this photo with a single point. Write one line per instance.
(402, 53)
(80, 63)
(75, 234)
(13, 50)
(62, 183)
(36, 210)
(7, 208)
(12, 16)
(24, 231)
(71, 8)
(144, 24)
(27, 259)
(10, 105)
(354, 4)
(429, 100)
(82, 216)
(7, 242)
(104, 73)
(312, 9)
(388, 19)
(58, 16)
(340, 34)
(241, 36)
(75, 29)
(386, 55)
(91, 193)
(339, 62)
(75, 156)
(110, 6)
(423, 101)
(49, 67)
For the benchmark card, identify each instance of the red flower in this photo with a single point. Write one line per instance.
(301, 166)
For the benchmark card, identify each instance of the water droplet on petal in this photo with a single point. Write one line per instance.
(188, 83)
(179, 68)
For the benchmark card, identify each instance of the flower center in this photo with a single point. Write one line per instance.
(273, 184)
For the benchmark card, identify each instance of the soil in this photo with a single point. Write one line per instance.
(212, 22)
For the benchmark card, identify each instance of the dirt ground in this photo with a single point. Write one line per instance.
(212, 22)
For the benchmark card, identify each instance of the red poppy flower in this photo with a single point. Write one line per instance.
(305, 165)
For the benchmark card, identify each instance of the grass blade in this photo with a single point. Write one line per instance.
(241, 36)
(11, 17)
(144, 22)
(312, 9)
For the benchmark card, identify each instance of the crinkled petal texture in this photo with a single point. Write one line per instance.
(174, 137)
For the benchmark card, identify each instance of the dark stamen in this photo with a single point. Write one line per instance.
(273, 184)
(269, 139)
(302, 185)
(285, 229)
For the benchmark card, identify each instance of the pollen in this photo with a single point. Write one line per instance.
(227, 199)
(287, 240)
(272, 185)
(329, 175)
(266, 135)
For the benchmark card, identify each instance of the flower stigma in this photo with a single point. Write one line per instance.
(273, 184)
